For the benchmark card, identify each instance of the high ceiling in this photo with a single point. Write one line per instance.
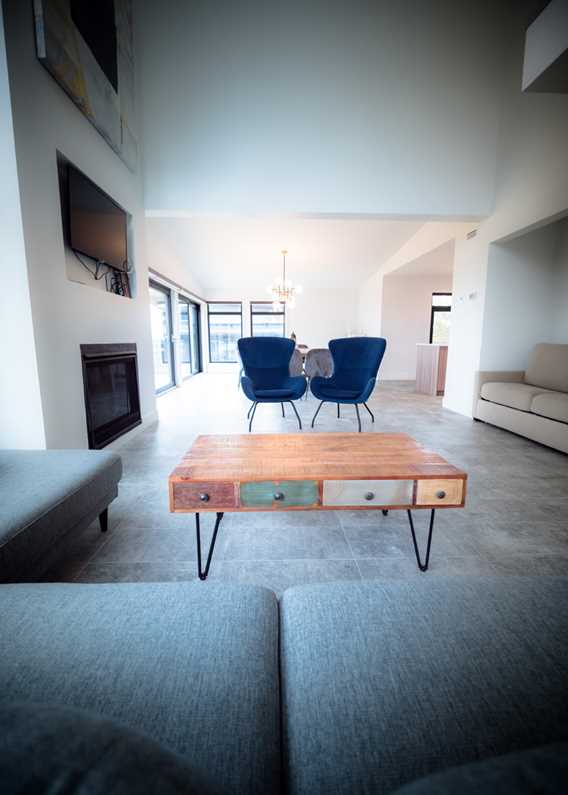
(438, 262)
(225, 252)
(360, 107)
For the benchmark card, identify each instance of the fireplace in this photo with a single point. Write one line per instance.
(112, 402)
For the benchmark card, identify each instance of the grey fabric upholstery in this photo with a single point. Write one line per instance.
(44, 494)
(385, 682)
(296, 363)
(548, 367)
(46, 750)
(539, 771)
(516, 396)
(193, 666)
(319, 362)
(553, 405)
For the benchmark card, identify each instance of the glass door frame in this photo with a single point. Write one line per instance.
(195, 366)
(168, 294)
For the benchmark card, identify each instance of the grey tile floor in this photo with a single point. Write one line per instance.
(515, 522)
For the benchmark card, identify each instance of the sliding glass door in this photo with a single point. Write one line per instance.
(162, 345)
(189, 347)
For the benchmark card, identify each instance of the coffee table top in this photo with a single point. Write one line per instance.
(316, 456)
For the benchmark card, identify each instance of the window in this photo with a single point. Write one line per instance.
(225, 328)
(162, 346)
(440, 318)
(189, 347)
(265, 321)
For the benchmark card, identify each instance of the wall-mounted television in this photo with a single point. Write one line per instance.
(97, 224)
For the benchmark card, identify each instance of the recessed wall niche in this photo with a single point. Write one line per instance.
(97, 234)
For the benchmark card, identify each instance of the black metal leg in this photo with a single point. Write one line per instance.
(103, 520)
(203, 573)
(282, 404)
(358, 416)
(385, 512)
(338, 413)
(250, 409)
(370, 412)
(296, 413)
(423, 566)
(252, 415)
(317, 412)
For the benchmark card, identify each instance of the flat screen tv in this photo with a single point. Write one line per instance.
(97, 224)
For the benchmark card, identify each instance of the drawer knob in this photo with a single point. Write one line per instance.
(279, 496)
(204, 497)
(440, 495)
(370, 495)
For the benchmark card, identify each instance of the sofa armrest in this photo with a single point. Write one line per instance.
(499, 376)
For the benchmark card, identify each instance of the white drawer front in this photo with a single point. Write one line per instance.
(367, 492)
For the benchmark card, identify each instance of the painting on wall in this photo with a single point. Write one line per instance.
(88, 48)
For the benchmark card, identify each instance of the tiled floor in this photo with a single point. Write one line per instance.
(515, 522)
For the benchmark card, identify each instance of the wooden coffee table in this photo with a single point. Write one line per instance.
(313, 472)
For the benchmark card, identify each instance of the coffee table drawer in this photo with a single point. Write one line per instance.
(283, 494)
(439, 492)
(203, 496)
(367, 492)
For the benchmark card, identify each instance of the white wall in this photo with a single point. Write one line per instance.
(321, 107)
(430, 240)
(531, 190)
(520, 299)
(319, 316)
(407, 305)
(560, 287)
(66, 314)
(21, 416)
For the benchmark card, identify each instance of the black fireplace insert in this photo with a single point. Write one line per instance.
(112, 400)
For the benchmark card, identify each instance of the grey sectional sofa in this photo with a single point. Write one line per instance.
(532, 403)
(339, 688)
(44, 496)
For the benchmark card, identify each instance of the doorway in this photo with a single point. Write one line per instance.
(162, 342)
(189, 344)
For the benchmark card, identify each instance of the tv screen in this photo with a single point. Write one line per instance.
(97, 225)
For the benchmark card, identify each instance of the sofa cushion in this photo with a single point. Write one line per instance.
(384, 682)
(553, 405)
(52, 749)
(44, 494)
(538, 770)
(548, 367)
(192, 665)
(512, 394)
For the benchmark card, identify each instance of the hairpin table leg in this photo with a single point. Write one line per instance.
(203, 573)
(422, 565)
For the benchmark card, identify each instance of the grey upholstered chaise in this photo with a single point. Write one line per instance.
(44, 496)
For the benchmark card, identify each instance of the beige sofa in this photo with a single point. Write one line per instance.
(533, 403)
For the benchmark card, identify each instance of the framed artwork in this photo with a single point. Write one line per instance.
(88, 48)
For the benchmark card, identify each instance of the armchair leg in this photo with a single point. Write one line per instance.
(370, 412)
(358, 416)
(282, 404)
(317, 412)
(338, 413)
(295, 412)
(250, 409)
(252, 415)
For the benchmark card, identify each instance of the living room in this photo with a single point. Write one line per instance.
(374, 185)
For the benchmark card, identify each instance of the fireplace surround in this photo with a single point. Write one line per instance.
(112, 398)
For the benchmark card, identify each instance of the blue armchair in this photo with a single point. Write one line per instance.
(356, 362)
(267, 379)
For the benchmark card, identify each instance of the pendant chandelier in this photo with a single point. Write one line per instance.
(284, 292)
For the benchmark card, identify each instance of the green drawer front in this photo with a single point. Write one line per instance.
(296, 492)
